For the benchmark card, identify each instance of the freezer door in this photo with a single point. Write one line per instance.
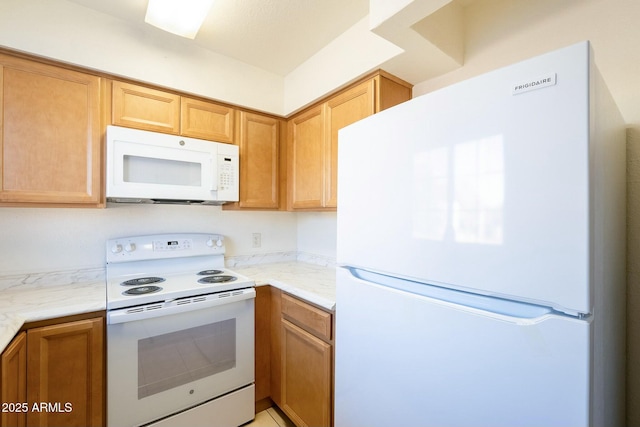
(408, 360)
(476, 187)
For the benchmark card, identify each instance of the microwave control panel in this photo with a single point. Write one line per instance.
(228, 172)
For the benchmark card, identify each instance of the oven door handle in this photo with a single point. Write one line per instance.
(180, 305)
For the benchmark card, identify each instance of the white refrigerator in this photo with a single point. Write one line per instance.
(481, 251)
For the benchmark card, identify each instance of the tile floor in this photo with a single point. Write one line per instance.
(272, 417)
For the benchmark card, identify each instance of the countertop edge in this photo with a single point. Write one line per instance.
(301, 293)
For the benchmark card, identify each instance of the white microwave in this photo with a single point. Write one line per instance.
(151, 167)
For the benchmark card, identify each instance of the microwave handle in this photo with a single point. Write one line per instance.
(214, 174)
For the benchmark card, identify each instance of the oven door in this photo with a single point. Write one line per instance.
(168, 357)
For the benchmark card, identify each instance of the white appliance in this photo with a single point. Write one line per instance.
(151, 167)
(180, 333)
(481, 239)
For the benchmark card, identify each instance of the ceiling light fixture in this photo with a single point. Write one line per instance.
(181, 17)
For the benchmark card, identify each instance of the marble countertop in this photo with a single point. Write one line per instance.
(43, 296)
(314, 283)
(46, 296)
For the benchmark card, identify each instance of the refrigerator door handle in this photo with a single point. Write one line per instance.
(495, 307)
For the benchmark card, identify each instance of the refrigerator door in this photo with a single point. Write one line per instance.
(477, 176)
(411, 360)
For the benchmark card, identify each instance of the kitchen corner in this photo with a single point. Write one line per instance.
(309, 278)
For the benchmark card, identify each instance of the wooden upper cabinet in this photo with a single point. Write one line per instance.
(145, 108)
(206, 120)
(51, 135)
(390, 91)
(313, 176)
(156, 110)
(306, 159)
(343, 110)
(14, 382)
(259, 161)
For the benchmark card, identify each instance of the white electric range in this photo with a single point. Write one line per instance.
(180, 333)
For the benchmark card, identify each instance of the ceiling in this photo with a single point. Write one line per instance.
(433, 45)
(274, 35)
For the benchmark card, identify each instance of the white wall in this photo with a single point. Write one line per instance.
(501, 32)
(71, 33)
(316, 233)
(52, 239)
(355, 52)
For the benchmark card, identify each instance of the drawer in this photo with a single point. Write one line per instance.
(312, 319)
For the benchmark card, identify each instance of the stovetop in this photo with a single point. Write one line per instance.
(148, 269)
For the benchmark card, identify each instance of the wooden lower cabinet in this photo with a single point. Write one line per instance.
(56, 372)
(306, 377)
(14, 382)
(263, 347)
(299, 358)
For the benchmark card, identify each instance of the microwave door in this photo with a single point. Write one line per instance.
(156, 172)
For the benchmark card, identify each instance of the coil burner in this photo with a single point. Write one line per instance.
(142, 281)
(210, 272)
(142, 290)
(217, 279)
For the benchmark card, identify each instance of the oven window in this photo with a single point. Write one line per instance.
(171, 360)
(150, 170)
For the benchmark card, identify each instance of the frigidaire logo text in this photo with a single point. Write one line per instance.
(531, 84)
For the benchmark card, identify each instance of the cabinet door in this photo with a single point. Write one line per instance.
(259, 145)
(50, 140)
(14, 382)
(145, 108)
(343, 110)
(263, 347)
(206, 120)
(307, 148)
(306, 377)
(66, 370)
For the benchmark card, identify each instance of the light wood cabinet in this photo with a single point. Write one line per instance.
(206, 120)
(313, 138)
(156, 110)
(296, 370)
(262, 348)
(58, 371)
(307, 159)
(343, 110)
(306, 363)
(51, 135)
(259, 143)
(145, 108)
(14, 382)
(306, 377)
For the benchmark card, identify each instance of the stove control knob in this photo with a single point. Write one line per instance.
(210, 242)
(116, 248)
(130, 247)
(219, 242)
